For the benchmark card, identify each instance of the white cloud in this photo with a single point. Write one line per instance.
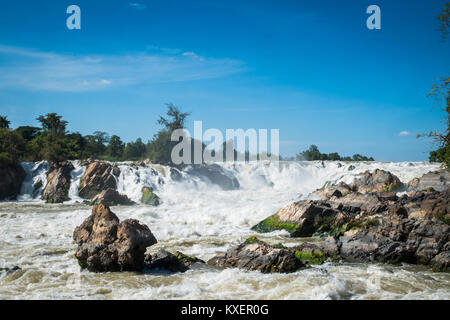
(35, 70)
(405, 133)
(138, 5)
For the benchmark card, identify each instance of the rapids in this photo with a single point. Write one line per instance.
(199, 218)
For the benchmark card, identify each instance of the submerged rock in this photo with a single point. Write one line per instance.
(99, 176)
(217, 175)
(58, 183)
(148, 197)
(164, 260)
(111, 197)
(11, 179)
(258, 256)
(104, 244)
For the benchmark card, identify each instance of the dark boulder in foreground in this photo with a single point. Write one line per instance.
(99, 176)
(258, 256)
(105, 244)
(58, 183)
(111, 197)
(11, 178)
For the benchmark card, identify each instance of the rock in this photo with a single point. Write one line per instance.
(148, 197)
(97, 178)
(216, 175)
(441, 262)
(105, 245)
(164, 260)
(58, 183)
(433, 181)
(111, 197)
(303, 219)
(338, 191)
(187, 260)
(258, 256)
(11, 178)
(310, 254)
(378, 181)
(351, 168)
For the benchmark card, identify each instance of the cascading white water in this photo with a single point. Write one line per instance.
(34, 182)
(76, 175)
(198, 218)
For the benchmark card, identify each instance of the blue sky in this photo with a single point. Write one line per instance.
(309, 68)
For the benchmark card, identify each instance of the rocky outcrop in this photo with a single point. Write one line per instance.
(435, 180)
(164, 261)
(258, 256)
(381, 227)
(111, 197)
(377, 181)
(99, 176)
(148, 197)
(58, 183)
(216, 175)
(11, 178)
(105, 244)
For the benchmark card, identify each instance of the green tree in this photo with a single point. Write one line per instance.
(115, 147)
(441, 92)
(12, 147)
(52, 122)
(4, 122)
(135, 150)
(160, 148)
(96, 144)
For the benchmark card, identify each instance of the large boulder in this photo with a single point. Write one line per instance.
(377, 181)
(58, 183)
(258, 256)
(99, 176)
(435, 180)
(111, 197)
(105, 244)
(11, 178)
(303, 219)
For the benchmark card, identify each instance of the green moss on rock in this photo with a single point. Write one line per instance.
(187, 260)
(148, 197)
(311, 258)
(273, 223)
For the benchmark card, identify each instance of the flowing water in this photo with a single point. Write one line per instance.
(198, 218)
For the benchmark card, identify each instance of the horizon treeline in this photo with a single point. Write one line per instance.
(52, 142)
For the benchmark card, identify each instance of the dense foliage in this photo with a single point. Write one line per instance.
(53, 143)
(313, 154)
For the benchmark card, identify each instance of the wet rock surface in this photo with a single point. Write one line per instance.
(99, 176)
(11, 179)
(111, 197)
(105, 244)
(58, 183)
(217, 175)
(436, 180)
(377, 226)
(258, 256)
